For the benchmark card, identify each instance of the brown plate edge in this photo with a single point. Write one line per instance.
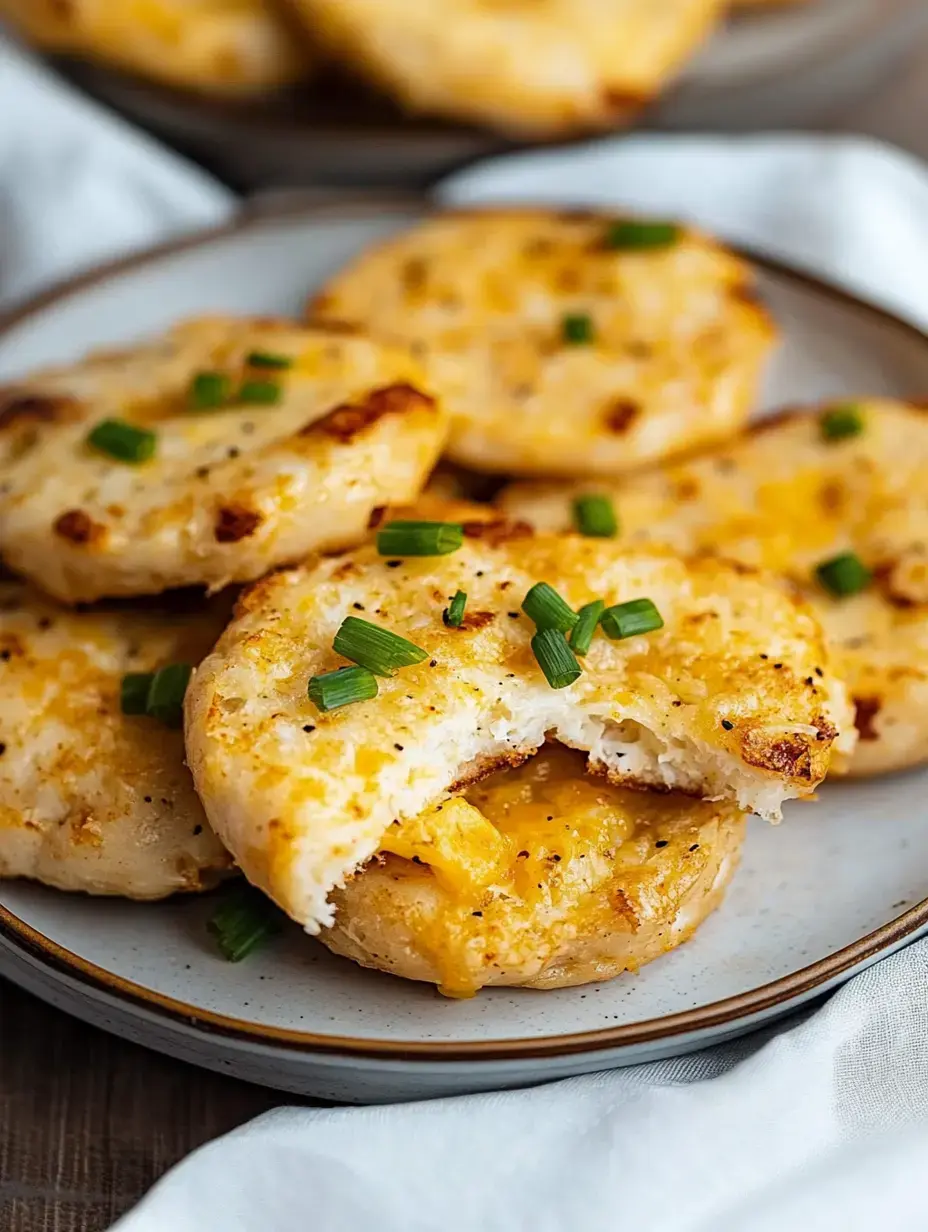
(727, 1012)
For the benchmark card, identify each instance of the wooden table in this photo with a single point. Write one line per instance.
(89, 1122)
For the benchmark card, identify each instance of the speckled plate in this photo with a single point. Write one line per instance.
(763, 69)
(839, 884)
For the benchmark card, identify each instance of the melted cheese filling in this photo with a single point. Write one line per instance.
(534, 856)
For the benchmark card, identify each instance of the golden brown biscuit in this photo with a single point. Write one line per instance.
(269, 440)
(787, 497)
(565, 343)
(529, 67)
(213, 46)
(584, 881)
(90, 798)
(732, 699)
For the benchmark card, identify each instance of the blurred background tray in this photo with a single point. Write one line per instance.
(769, 69)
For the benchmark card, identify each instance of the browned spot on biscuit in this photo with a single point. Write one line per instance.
(785, 415)
(621, 414)
(414, 273)
(685, 489)
(377, 515)
(620, 102)
(865, 711)
(346, 422)
(17, 408)
(333, 325)
(78, 527)
(11, 646)
(235, 522)
(747, 293)
(477, 620)
(786, 755)
(832, 496)
(497, 531)
(346, 569)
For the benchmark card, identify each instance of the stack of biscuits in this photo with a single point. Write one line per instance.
(263, 625)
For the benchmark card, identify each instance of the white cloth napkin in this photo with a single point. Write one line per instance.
(821, 1126)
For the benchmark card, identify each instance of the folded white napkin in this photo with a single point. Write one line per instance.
(821, 1126)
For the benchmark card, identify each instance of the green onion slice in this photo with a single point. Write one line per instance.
(377, 649)
(264, 359)
(594, 516)
(419, 538)
(165, 700)
(633, 234)
(209, 390)
(259, 393)
(844, 575)
(133, 693)
(547, 609)
(123, 441)
(453, 614)
(244, 920)
(577, 329)
(631, 619)
(342, 687)
(841, 422)
(555, 658)
(581, 637)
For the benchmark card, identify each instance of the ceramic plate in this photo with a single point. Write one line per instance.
(762, 69)
(831, 889)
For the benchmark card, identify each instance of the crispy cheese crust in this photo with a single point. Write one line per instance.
(676, 345)
(786, 498)
(594, 880)
(733, 699)
(91, 799)
(212, 46)
(546, 67)
(231, 491)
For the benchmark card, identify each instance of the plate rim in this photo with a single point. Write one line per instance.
(726, 1012)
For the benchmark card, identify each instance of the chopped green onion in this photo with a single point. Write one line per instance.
(547, 609)
(577, 328)
(259, 393)
(555, 658)
(419, 538)
(843, 575)
(209, 390)
(166, 693)
(630, 619)
(453, 614)
(343, 687)
(628, 234)
(594, 516)
(842, 422)
(244, 920)
(263, 359)
(377, 649)
(133, 693)
(587, 619)
(123, 441)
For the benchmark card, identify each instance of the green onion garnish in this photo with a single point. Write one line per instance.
(630, 619)
(453, 614)
(209, 390)
(630, 234)
(547, 609)
(263, 359)
(259, 393)
(342, 687)
(166, 694)
(419, 538)
(844, 575)
(377, 649)
(123, 441)
(555, 658)
(594, 516)
(587, 619)
(244, 920)
(577, 328)
(841, 422)
(133, 693)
